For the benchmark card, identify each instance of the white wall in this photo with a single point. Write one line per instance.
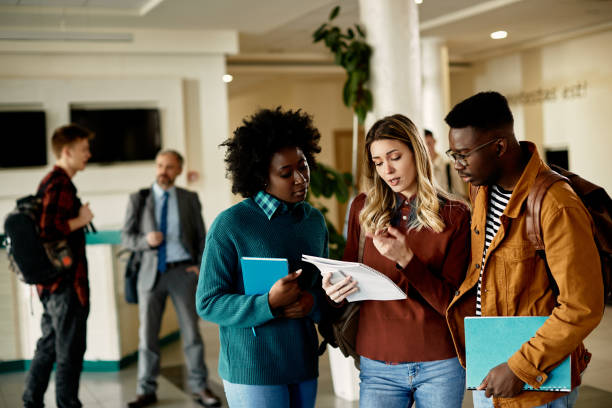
(164, 81)
(105, 186)
(178, 72)
(560, 95)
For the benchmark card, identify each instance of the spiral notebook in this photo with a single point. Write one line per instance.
(372, 284)
(490, 341)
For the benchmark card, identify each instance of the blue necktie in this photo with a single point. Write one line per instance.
(163, 228)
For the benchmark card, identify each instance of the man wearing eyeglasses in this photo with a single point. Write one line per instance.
(506, 277)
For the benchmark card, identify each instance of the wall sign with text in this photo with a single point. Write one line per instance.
(574, 91)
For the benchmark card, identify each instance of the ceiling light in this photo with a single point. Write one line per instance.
(498, 35)
(418, 1)
(227, 78)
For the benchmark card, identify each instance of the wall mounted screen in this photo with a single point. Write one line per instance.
(558, 157)
(122, 135)
(24, 139)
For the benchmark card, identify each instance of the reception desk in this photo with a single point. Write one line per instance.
(112, 326)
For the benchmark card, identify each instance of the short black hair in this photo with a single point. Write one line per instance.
(428, 132)
(483, 111)
(263, 134)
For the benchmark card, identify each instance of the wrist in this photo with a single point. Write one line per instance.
(272, 303)
(404, 261)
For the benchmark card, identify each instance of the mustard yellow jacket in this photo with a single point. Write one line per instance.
(515, 282)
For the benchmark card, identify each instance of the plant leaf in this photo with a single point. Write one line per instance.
(360, 30)
(319, 33)
(334, 13)
(346, 94)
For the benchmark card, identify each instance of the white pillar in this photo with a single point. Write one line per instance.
(436, 88)
(392, 29)
(214, 126)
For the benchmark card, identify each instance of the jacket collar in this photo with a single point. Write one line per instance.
(525, 182)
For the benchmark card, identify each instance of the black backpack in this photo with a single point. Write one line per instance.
(28, 256)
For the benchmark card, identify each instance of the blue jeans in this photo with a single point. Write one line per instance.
(301, 395)
(567, 401)
(430, 384)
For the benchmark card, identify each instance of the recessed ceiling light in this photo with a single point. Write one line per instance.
(498, 35)
(418, 1)
(227, 78)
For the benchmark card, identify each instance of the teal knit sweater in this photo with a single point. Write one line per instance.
(283, 351)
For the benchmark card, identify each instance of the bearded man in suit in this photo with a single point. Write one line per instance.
(165, 223)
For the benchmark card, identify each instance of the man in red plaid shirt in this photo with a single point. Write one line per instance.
(65, 301)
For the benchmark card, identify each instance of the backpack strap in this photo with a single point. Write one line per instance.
(361, 246)
(543, 181)
(43, 187)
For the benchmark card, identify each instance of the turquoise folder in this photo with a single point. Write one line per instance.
(259, 274)
(490, 341)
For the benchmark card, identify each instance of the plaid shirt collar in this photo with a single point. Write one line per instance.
(271, 205)
(268, 203)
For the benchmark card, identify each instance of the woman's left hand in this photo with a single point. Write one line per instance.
(391, 243)
(299, 308)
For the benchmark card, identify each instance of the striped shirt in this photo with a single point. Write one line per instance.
(498, 199)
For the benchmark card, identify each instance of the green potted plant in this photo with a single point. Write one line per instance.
(353, 54)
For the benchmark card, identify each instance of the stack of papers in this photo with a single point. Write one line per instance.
(372, 284)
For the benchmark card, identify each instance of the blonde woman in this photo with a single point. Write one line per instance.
(418, 237)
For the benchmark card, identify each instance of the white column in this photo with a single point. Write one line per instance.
(436, 88)
(214, 125)
(392, 29)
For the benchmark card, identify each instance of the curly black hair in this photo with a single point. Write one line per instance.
(254, 143)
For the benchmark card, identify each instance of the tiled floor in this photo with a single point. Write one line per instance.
(113, 390)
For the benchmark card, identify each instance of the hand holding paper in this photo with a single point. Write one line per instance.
(371, 284)
(340, 290)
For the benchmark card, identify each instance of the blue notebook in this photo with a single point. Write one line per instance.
(490, 341)
(259, 274)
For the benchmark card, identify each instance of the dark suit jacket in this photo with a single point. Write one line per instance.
(133, 234)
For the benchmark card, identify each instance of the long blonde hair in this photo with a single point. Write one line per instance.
(380, 198)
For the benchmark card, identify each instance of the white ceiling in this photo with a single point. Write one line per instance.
(286, 26)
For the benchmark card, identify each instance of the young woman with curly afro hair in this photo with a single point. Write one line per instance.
(268, 355)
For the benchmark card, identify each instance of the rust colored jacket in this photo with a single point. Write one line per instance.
(413, 329)
(515, 282)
